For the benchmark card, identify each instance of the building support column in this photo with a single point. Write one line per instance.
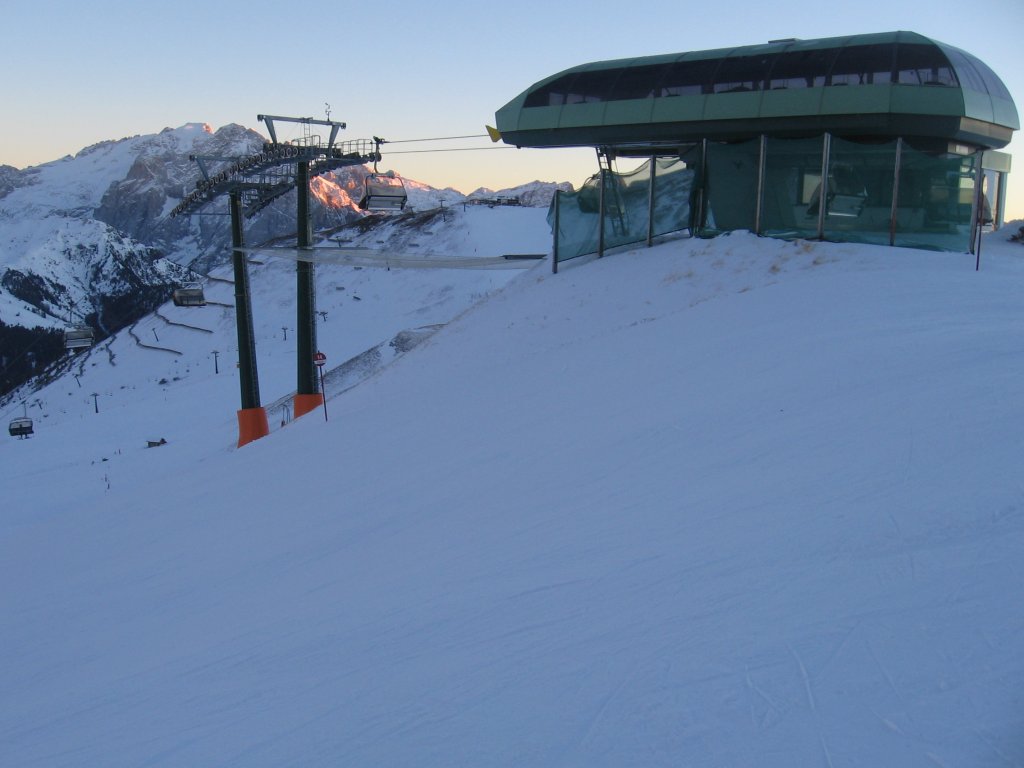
(759, 208)
(650, 201)
(826, 147)
(602, 178)
(895, 191)
(252, 417)
(557, 230)
(700, 221)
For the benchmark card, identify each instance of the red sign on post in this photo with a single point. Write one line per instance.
(319, 358)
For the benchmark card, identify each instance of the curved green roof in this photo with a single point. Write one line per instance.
(862, 86)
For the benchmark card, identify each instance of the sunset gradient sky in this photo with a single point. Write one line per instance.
(78, 73)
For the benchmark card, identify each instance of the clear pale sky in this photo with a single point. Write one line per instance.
(75, 73)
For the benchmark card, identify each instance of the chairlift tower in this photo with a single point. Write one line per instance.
(251, 183)
(308, 396)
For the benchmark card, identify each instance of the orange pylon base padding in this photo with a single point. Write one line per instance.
(303, 404)
(252, 425)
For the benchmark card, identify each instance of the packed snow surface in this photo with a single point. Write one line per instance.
(737, 502)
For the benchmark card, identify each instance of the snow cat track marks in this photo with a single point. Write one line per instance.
(753, 689)
(812, 704)
(140, 343)
(110, 352)
(180, 324)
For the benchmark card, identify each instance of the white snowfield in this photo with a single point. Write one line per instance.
(737, 502)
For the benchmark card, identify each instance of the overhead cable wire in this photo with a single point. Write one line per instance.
(463, 149)
(439, 138)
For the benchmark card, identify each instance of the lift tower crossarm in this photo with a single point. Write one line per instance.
(334, 125)
(201, 161)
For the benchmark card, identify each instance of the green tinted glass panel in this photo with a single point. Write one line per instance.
(935, 201)
(732, 185)
(791, 187)
(859, 199)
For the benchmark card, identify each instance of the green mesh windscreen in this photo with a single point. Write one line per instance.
(628, 213)
(935, 201)
(576, 214)
(673, 188)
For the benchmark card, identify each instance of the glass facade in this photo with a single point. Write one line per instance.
(887, 138)
(883, 193)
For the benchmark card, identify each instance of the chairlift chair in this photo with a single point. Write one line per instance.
(78, 338)
(189, 295)
(20, 427)
(383, 192)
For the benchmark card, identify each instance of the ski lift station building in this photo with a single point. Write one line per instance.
(896, 133)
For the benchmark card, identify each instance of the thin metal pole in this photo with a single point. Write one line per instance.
(977, 210)
(323, 389)
(248, 377)
(977, 260)
(305, 328)
(650, 201)
(826, 146)
(759, 209)
(895, 191)
(702, 208)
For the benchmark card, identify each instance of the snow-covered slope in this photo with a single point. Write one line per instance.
(737, 502)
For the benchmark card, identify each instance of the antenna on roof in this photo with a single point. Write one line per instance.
(784, 40)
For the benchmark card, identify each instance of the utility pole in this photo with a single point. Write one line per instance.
(252, 418)
(307, 393)
(216, 368)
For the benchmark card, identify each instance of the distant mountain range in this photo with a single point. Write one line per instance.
(88, 240)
